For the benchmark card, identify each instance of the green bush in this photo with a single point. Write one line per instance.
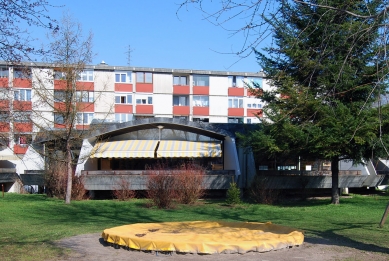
(233, 194)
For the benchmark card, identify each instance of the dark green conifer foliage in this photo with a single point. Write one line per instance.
(327, 71)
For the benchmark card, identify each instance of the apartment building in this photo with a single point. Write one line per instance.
(120, 94)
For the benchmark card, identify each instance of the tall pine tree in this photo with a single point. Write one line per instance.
(326, 73)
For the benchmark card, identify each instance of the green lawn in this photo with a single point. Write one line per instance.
(30, 223)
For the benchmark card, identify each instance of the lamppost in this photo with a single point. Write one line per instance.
(160, 127)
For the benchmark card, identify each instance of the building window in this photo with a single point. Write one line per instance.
(84, 118)
(84, 96)
(249, 121)
(254, 82)
(235, 81)
(200, 80)
(86, 76)
(235, 120)
(235, 102)
(59, 96)
(123, 98)
(144, 99)
(22, 74)
(200, 101)
(144, 77)
(22, 95)
(4, 116)
(4, 72)
(23, 139)
(181, 117)
(22, 116)
(58, 75)
(200, 119)
(180, 100)
(123, 117)
(124, 77)
(58, 118)
(180, 80)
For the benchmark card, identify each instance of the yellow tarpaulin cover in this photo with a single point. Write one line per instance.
(125, 149)
(191, 149)
(204, 237)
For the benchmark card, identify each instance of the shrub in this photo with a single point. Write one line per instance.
(261, 193)
(233, 194)
(123, 191)
(190, 181)
(56, 182)
(161, 187)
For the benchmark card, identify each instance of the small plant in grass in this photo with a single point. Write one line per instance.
(123, 190)
(190, 181)
(233, 194)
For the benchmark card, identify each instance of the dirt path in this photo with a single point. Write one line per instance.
(90, 247)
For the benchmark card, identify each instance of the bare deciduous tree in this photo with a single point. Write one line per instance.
(16, 43)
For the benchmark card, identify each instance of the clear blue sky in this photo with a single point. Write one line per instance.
(158, 38)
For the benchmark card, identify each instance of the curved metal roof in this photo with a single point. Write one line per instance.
(212, 130)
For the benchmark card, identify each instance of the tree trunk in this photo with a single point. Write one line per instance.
(335, 180)
(70, 175)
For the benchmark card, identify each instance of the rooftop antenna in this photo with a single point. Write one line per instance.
(129, 51)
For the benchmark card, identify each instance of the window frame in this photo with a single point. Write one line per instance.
(203, 103)
(148, 99)
(83, 118)
(4, 72)
(180, 81)
(125, 95)
(18, 94)
(141, 77)
(87, 74)
(22, 116)
(127, 74)
(233, 101)
(197, 78)
(85, 96)
(179, 99)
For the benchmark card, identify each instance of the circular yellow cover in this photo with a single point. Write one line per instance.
(205, 237)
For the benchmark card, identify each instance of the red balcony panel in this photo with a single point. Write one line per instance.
(235, 91)
(203, 111)
(4, 105)
(59, 106)
(144, 87)
(254, 112)
(22, 83)
(85, 86)
(85, 107)
(59, 126)
(236, 112)
(23, 126)
(123, 108)
(4, 127)
(144, 109)
(123, 87)
(59, 85)
(181, 89)
(4, 82)
(201, 90)
(22, 105)
(20, 149)
(255, 92)
(181, 110)
(82, 127)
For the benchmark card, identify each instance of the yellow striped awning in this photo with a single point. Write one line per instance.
(125, 149)
(188, 149)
